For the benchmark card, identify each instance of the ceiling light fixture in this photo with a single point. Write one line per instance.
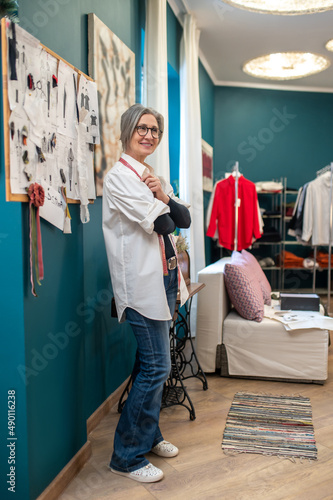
(329, 45)
(286, 65)
(287, 7)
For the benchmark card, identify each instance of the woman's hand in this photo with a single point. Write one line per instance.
(155, 187)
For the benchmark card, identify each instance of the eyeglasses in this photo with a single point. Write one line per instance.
(143, 130)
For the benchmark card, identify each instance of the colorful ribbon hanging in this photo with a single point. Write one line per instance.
(36, 199)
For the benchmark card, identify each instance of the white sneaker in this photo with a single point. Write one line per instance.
(147, 474)
(165, 449)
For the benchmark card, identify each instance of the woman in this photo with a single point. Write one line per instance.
(139, 213)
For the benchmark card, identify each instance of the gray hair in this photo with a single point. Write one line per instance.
(129, 121)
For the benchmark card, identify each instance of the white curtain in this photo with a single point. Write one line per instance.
(190, 174)
(155, 78)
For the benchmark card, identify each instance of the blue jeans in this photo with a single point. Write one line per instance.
(138, 429)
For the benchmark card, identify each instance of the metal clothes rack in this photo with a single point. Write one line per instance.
(235, 172)
(328, 168)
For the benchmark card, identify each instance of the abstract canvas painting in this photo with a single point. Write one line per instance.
(112, 65)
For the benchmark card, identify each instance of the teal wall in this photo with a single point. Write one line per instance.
(207, 105)
(74, 355)
(272, 133)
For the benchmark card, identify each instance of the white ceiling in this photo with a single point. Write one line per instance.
(230, 36)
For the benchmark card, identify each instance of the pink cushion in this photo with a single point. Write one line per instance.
(244, 291)
(246, 258)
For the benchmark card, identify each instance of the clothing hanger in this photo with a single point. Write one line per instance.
(234, 171)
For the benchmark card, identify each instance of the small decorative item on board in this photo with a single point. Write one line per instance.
(183, 257)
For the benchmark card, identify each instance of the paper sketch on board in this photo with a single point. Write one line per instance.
(112, 66)
(88, 109)
(67, 163)
(23, 51)
(54, 207)
(49, 85)
(22, 151)
(67, 97)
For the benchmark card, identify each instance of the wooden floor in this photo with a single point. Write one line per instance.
(202, 471)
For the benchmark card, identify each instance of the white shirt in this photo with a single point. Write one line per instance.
(316, 217)
(132, 245)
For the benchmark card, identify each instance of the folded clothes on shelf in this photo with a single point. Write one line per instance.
(309, 263)
(269, 187)
(270, 234)
(322, 259)
(266, 262)
(288, 259)
(289, 210)
(271, 213)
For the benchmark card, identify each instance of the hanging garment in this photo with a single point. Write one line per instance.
(316, 223)
(222, 216)
(296, 223)
(209, 213)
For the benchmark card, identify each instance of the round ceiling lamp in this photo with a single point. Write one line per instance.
(286, 65)
(286, 7)
(329, 45)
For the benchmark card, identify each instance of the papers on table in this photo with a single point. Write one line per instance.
(298, 320)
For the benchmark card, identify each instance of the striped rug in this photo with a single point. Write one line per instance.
(270, 425)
